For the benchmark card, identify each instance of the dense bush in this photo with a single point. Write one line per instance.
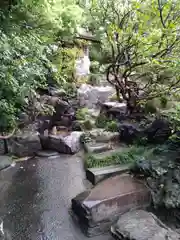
(30, 53)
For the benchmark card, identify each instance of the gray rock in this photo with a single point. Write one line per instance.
(57, 92)
(114, 109)
(25, 143)
(142, 225)
(95, 147)
(159, 131)
(89, 96)
(68, 144)
(5, 161)
(97, 209)
(100, 135)
(130, 132)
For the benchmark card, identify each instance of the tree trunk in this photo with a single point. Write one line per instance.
(118, 94)
(6, 150)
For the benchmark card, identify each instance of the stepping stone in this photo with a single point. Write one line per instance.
(97, 209)
(95, 175)
(47, 153)
(142, 225)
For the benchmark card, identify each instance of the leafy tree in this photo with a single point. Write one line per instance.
(143, 40)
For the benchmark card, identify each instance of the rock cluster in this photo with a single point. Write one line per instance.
(142, 225)
(157, 132)
(97, 209)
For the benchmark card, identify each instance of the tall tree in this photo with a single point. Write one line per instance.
(143, 40)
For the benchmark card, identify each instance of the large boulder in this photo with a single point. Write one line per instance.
(159, 131)
(63, 115)
(89, 96)
(25, 143)
(68, 144)
(115, 110)
(97, 209)
(142, 225)
(129, 132)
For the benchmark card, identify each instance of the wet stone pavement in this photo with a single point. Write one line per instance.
(36, 196)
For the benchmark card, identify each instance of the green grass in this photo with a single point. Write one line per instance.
(127, 156)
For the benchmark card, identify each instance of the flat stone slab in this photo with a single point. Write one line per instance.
(108, 153)
(97, 147)
(112, 104)
(47, 153)
(97, 209)
(100, 135)
(95, 175)
(5, 161)
(142, 225)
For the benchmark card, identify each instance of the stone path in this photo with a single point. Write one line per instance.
(36, 196)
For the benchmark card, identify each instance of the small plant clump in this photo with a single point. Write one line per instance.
(81, 114)
(112, 126)
(109, 125)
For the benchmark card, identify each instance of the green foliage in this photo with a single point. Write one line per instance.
(164, 101)
(82, 113)
(31, 54)
(128, 156)
(111, 126)
(101, 121)
(150, 107)
(94, 67)
(22, 70)
(161, 171)
(87, 125)
(174, 117)
(143, 43)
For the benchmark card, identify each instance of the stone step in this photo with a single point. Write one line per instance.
(94, 147)
(100, 135)
(98, 208)
(116, 149)
(95, 175)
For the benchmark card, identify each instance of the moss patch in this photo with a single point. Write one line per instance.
(126, 156)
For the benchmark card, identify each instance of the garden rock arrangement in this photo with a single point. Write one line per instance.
(25, 143)
(156, 132)
(114, 109)
(97, 209)
(90, 96)
(68, 144)
(142, 225)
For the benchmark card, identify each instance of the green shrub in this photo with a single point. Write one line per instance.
(111, 126)
(150, 107)
(101, 121)
(163, 101)
(128, 156)
(82, 113)
(87, 125)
